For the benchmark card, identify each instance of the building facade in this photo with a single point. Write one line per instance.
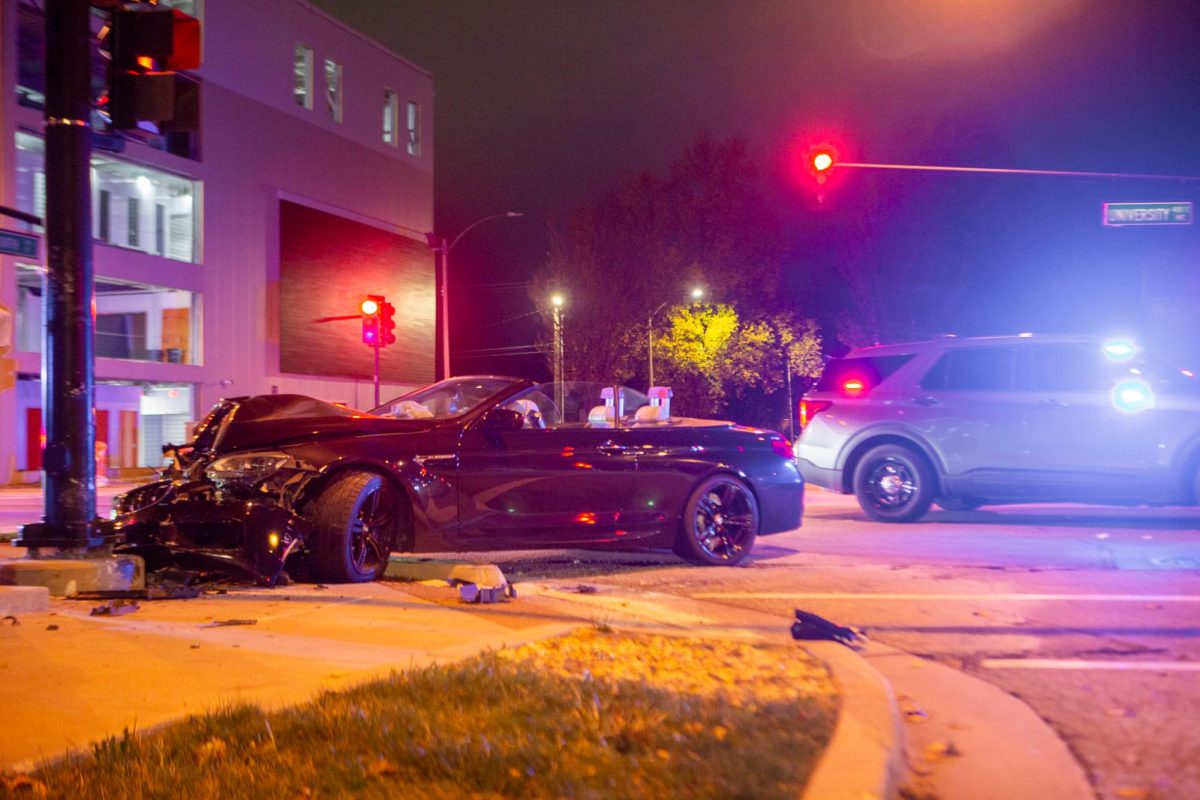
(221, 253)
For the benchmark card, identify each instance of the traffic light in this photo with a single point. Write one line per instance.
(387, 323)
(370, 307)
(149, 45)
(821, 161)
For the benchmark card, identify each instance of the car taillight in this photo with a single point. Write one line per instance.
(853, 387)
(810, 408)
(782, 447)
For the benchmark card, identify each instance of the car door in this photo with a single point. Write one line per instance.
(561, 485)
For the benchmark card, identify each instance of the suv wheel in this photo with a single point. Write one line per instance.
(893, 484)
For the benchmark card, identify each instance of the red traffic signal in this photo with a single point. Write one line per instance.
(148, 44)
(370, 307)
(821, 161)
(387, 324)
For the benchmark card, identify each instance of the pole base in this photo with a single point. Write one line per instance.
(67, 576)
(80, 537)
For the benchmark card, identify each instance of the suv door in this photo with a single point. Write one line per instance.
(969, 407)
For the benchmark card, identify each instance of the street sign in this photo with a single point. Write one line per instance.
(1119, 214)
(19, 244)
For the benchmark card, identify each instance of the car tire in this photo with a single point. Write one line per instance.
(958, 503)
(354, 528)
(720, 523)
(894, 484)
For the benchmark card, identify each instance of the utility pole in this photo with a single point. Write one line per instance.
(69, 467)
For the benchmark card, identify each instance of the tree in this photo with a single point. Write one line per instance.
(650, 239)
(718, 364)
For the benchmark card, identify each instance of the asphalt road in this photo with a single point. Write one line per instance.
(1088, 614)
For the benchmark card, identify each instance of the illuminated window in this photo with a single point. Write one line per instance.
(333, 89)
(303, 66)
(414, 129)
(134, 321)
(389, 117)
(126, 201)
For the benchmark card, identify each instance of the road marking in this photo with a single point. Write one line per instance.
(1075, 663)
(1101, 598)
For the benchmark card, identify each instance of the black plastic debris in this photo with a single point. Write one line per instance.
(115, 608)
(810, 627)
(225, 623)
(11, 620)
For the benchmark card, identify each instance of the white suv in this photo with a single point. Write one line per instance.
(975, 421)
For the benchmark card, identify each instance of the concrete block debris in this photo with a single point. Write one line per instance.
(474, 593)
(115, 608)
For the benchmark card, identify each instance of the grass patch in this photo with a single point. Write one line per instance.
(593, 715)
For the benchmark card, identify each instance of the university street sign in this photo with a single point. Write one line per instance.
(1118, 214)
(19, 244)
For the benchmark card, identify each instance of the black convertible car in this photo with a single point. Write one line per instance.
(465, 464)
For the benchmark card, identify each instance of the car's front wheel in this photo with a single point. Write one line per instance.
(720, 523)
(355, 521)
(893, 484)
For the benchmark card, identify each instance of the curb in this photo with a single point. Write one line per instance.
(865, 756)
(427, 569)
(23, 600)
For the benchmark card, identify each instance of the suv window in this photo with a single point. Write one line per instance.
(1065, 368)
(974, 369)
(871, 370)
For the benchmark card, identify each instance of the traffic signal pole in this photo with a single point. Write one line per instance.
(69, 467)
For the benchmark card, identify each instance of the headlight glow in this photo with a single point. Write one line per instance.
(1119, 350)
(245, 469)
(1132, 395)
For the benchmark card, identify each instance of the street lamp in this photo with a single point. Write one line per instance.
(556, 303)
(445, 249)
(697, 294)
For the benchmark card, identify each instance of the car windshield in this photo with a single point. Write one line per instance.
(576, 403)
(449, 398)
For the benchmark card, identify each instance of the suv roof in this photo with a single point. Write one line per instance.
(949, 340)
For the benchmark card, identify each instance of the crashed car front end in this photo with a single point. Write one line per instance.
(236, 515)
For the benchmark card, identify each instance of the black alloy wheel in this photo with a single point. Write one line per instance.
(894, 484)
(354, 521)
(720, 523)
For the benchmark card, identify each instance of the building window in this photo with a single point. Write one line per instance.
(414, 129)
(134, 321)
(389, 118)
(121, 193)
(133, 218)
(104, 216)
(333, 89)
(303, 67)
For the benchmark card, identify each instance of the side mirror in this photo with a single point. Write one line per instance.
(502, 419)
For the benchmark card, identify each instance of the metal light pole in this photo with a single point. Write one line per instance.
(440, 246)
(697, 293)
(69, 466)
(557, 302)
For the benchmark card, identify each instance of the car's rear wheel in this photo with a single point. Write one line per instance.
(894, 484)
(355, 521)
(720, 522)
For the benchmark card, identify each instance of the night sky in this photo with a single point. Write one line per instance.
(543, 104)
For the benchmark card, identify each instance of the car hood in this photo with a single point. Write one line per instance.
(278, 419)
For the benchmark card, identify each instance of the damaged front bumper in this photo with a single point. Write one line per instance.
(195, 526)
